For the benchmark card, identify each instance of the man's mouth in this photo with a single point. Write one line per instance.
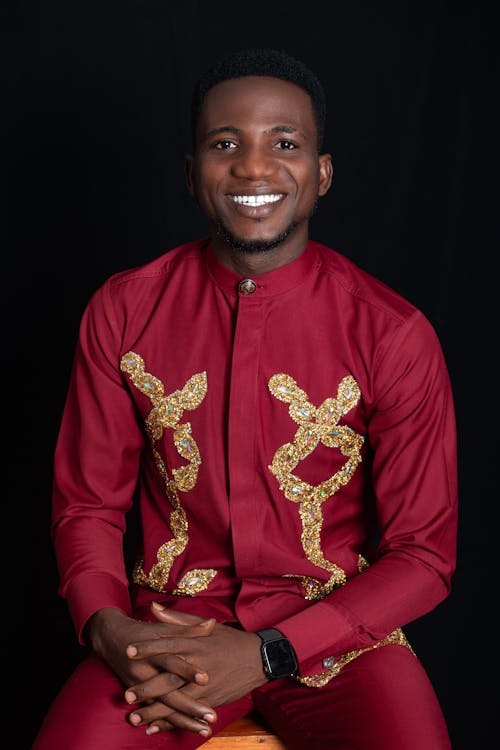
(256, 200)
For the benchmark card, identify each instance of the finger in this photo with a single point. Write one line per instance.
(182, 712)
(194, 632)
(176, 618)
(175, 701)
(151, 689)
(170, 663)
(175, 720)
(164, 687)
(170, 616)
(175, 645)
(159, 726)
(175, 665)
(164, 726)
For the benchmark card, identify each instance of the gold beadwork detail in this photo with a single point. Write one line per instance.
(194, 581)
(315, 425)
(316, 589)
(334, 666)
(397, 637)
(362, 563)
(166, 413)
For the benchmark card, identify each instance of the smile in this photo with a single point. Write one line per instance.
(256, 200)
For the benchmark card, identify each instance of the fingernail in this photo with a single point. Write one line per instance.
(130, 697)
(135, 718)
(157, 605)
(132, 651)
(204, 732)
(209, 717)
(153, 729)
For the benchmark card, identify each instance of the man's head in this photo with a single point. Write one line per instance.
(261, 62)
(256, 170)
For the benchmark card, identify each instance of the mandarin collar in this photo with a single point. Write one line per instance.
(266, 284)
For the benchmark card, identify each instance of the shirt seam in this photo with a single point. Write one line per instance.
(355, 292)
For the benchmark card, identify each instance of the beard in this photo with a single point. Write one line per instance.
(254, 246)
(238, 244)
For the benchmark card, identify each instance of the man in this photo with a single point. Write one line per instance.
(289, 424)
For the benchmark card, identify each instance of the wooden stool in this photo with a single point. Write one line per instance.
(245, 734)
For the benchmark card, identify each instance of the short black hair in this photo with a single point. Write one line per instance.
(261, 62)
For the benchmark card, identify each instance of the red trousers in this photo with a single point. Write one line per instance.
(383, 700)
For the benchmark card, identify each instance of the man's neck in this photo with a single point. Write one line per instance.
(250, 264)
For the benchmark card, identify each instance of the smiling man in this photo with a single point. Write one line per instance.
(256, 171)
(288, 422)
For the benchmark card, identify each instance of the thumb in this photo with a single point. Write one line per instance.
(203, 625)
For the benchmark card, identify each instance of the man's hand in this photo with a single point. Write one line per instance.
(110, 632)
(231, 657)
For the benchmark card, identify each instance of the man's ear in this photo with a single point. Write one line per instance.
(325, 173)
(188, 173)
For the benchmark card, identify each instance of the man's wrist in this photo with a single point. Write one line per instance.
(277, 653)
(99, 622)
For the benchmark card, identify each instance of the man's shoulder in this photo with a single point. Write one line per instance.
(361, 287)
(160, 267)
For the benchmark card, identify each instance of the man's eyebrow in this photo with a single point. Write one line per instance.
(236, 131)
(223, 129)
(286, 129)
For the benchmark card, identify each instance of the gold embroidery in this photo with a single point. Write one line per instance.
(315, 425)
(194, 581)
(166, 413)
(362, 564)
(334, 666)
(316, 589)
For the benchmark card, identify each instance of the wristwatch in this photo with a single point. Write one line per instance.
(278, 656)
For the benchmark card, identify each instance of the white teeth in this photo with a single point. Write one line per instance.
(256, 200)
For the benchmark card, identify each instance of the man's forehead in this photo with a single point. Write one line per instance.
(256, 97)
(267, 85)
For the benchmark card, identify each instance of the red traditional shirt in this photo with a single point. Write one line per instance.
(294, 440)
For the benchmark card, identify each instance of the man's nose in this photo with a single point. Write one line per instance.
(253, 163)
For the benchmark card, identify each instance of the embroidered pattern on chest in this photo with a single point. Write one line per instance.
(166, 413)
(316, 424)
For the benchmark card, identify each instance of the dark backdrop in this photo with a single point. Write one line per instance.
(93, 137)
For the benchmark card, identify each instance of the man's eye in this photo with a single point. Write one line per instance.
(225, 145)
(287, 145)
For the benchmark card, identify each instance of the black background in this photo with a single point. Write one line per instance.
(93, 135)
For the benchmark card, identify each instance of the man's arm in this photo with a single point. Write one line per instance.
(412, 437)
(95, 474)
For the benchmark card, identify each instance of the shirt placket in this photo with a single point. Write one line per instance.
(242, 428)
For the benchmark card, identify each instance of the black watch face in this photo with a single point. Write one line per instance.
(280, 659)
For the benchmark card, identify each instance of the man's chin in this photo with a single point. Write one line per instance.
(241, 245)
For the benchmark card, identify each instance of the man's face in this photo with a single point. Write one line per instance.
(256, 172)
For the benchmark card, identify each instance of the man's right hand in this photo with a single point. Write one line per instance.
(110, 631)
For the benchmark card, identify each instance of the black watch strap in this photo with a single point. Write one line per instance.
(270, 634)
(278, 656)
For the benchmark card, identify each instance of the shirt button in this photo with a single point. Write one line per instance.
(247, 286)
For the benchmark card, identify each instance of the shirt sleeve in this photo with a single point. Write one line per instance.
(412, 439)
(95, 470)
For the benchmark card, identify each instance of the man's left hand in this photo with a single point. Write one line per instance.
(231, 657)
